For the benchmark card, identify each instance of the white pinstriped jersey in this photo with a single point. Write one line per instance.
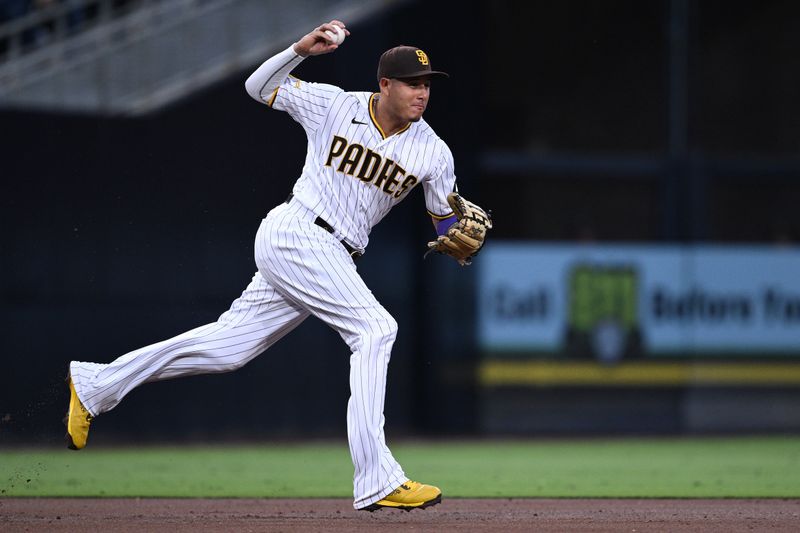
(353, 175)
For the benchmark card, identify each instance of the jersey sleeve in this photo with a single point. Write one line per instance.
(307, 103)
(442, 183)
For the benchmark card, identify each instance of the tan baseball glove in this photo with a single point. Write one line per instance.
(465, 237)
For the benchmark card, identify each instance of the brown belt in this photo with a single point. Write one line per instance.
(354, 253)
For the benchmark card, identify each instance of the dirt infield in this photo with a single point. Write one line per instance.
(179, 515)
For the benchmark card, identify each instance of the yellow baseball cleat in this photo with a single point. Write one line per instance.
(77, 420)
(409, 495)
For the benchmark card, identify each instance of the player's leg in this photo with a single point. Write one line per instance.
(309, 265)
(255, 321)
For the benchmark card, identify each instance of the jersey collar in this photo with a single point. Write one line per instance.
(375, 122)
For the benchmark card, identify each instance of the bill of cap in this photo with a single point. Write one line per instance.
(423, 73)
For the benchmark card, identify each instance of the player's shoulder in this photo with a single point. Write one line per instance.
(426, 134)
(361, 96)
(332, 90)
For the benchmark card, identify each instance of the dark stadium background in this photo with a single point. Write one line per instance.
(619, 121)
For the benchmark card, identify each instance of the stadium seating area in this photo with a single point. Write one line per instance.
(29, 24)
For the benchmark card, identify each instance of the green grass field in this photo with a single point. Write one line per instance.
(642, 468)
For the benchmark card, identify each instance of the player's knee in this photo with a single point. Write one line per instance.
(382, 330)
(373, 334)
(236, 365)
(391, 325)
(223, 367)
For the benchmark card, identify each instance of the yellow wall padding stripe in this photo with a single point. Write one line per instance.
(494, 373)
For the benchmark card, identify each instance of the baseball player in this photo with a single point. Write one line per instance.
(366, 152)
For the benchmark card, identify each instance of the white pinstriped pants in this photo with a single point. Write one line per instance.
(302, 270)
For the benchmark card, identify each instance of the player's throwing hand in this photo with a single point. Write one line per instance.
(318, 42)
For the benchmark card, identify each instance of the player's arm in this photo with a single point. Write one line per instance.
(437, 187)
(462, 232)
(262, 85)
(442, 224)
(464, 239)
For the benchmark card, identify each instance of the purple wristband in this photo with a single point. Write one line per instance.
(443, 225)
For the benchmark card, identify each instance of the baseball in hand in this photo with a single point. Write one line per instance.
(338, 36)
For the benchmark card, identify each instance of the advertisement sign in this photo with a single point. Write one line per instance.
(629, 301)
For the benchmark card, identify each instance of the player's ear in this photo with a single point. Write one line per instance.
(384, 84)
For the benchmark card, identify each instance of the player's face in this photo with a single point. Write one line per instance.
(409, 97)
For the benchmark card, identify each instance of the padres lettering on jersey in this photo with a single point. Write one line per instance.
(372, 168)
(353, 175)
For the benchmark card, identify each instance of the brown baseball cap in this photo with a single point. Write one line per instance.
(406, 62)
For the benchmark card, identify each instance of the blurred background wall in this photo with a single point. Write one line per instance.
(640, 160)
